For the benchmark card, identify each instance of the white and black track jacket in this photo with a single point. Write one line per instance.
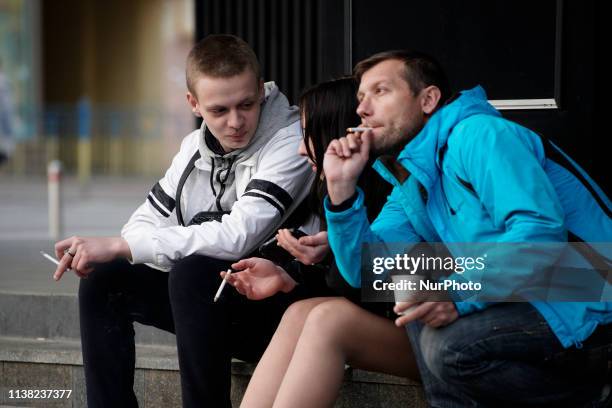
(224, 205)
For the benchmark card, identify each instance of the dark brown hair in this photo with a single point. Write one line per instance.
(421, 71)
(220, 56)
(328, 108)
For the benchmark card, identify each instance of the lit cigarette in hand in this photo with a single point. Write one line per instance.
(49, 257)
(223, 282)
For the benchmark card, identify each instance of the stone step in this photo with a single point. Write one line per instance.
(56, 316)
(33, 305)
(57, 364)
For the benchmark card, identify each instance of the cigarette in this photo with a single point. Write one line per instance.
(49, 257)
(223, 282)
(357, 129)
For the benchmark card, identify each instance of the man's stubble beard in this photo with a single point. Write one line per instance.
(397, 141)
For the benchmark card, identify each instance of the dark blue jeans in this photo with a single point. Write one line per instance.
(507, 355)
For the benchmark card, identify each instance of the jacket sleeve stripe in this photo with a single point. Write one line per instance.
(272, 189)
(163, 198)
(268, 199)
(157, 206)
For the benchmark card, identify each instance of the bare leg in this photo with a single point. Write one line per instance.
(271, 368)
(335, 333)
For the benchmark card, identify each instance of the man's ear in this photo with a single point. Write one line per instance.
(430, 97)
(193, 103)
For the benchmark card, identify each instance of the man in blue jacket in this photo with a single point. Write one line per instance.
(463, 174)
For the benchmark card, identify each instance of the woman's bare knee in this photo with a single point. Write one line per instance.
(297, 312)
(332, 321)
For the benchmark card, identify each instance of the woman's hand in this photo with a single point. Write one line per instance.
(258, 278)
(309, 250)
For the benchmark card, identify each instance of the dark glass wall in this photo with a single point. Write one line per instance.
(521, 49)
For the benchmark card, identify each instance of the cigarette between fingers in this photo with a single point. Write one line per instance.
(222, 285)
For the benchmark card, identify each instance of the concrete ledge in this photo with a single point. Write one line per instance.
(68, 352)
(56, 316)
(153, 388)
(378, 378)
(42, 363)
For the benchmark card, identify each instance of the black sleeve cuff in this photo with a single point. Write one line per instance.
(345, 205)
(293, 269)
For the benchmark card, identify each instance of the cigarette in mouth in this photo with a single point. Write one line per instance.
(357, 129)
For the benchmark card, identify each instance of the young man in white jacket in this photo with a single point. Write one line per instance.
(233, 183)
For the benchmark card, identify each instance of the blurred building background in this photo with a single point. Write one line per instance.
(97, 84)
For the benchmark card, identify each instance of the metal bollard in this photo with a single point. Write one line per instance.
(54, 175)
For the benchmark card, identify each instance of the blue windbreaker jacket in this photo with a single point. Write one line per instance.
(487, 179)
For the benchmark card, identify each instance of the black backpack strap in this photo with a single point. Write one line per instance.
(298, 217)
(599, 262)
(553, 153)
(179, 188)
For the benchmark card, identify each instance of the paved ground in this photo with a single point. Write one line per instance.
(99, 208)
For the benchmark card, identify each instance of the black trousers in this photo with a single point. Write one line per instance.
(208, 334)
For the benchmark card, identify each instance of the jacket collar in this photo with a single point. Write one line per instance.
(421, 156)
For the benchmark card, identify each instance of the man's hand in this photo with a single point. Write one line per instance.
(344, 161)
(434, 314)
(78, 253)
(258, 278)
(309, 250)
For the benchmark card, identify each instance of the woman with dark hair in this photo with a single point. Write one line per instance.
(327, 109)
(333, 330)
